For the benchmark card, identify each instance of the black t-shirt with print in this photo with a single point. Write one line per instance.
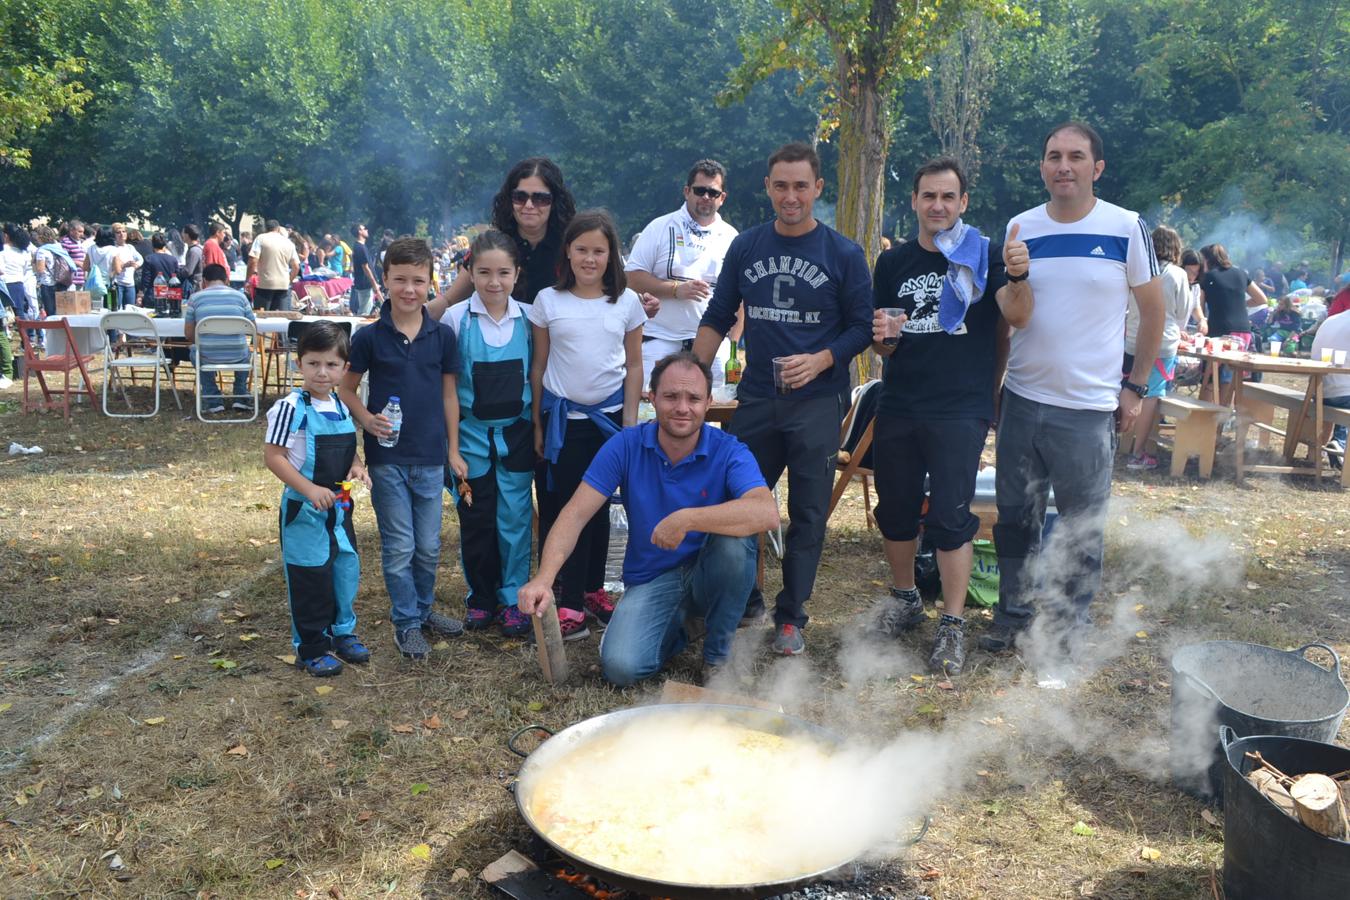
(933, 374)
(1226, 300)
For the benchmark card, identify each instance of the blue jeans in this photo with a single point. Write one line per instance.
(360, 304)
(211, 391)
(407, 504)
(1040, 448)
(648, 624)
(125, 294)
(1338, 432)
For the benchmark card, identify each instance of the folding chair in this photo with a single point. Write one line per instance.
(855, 442)
(237, 326)
(145, 351)
(68, 362)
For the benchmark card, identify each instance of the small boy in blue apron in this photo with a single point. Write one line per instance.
(311, 447)
(492, 445)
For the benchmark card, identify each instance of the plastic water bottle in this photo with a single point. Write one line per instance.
(394, 413)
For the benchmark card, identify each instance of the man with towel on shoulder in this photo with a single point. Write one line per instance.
(938, 397)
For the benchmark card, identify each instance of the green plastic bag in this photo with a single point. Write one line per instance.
(983, 590)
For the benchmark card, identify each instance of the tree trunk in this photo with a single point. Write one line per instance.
(864, 139)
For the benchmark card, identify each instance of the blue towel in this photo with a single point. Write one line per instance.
(967, 253)
(557, 409)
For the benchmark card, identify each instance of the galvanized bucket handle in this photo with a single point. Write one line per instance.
(511, 741)
(1335, 660)
(1226, 736)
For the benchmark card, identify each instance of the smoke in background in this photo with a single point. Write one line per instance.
(1252, 241)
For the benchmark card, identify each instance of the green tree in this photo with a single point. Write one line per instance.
(39, 81)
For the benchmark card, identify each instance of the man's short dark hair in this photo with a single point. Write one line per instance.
(408, 251)
(1082, 128)
(157, 241)
(272, 225)
(683, 357)
(216, 272)
(320, 337)
(941, 164)
(709, 167)
(190, 232)
(214, 229)
(356, 230)
(796, 151)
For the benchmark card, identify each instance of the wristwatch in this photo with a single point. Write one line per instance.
(1023, 277)
(1131, 386)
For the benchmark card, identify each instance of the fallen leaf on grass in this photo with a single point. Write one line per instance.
(459, 875)
(441, 645)
(275, 863)
(255, 542)
(222, 594)
(237, 750)
(421, 851)
(323, 690)
(1150, 853)
(460, 714)
(93, 793)
(156, 720)
(223, 663)
(288, 660)
(364, 816)
(1082, 829)
(251, 636)
(945, 686)
(405, 728)
(984, 773)
(534, 706)
(917, 679)
(927, 709)
(180, 656)
(420, 788)
(6, 707)
(1209, 817)
(432, 722)
(930, 873)
(339, 724)
(1142, 635)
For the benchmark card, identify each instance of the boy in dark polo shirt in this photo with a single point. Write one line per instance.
(413, 357)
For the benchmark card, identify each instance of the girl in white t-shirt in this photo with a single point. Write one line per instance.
(586, 379)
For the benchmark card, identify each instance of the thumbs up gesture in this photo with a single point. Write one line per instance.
(1016, 258)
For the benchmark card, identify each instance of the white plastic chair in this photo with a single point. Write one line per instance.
(235, 326)
(139, 334)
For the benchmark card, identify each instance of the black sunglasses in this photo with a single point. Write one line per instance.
(540, 198)
(711, 193)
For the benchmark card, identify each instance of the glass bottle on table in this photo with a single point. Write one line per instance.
(733, 367)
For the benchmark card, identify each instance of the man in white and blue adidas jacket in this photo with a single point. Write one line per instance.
(1077, 258)
(807, 292)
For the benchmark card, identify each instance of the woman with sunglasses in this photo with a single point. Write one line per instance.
(533, 208)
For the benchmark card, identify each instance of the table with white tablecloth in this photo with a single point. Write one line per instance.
(89, 337)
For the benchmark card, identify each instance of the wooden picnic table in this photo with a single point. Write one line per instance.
(1314, 370)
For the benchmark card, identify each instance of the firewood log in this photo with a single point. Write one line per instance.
(1269, 785)
(1317, 802)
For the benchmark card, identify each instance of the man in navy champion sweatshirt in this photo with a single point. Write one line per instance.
(807, 295)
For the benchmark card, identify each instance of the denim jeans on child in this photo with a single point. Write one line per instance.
(407, 504)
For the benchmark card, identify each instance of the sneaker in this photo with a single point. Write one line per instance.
(477, 619)
(999, 639)
(898, 612)
(324, 666)
(788, 641)
(573, 623)
(1142, 461)
(1335, 453)
(349, 648)
(949, 647)
(753, 615)
(241, 406)
(218, 408)
(599, 604)
(512, 621)
(411, 643)
(442, 625)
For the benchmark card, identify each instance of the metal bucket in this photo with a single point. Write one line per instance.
(1266, 853)
(1254, 690)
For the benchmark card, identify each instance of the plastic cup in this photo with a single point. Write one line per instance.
(892, 322)
(1327, 354)
(1274, 348)
(1338, 357)
(779, 383)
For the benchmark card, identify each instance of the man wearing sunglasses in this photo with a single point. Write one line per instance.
(677, 257)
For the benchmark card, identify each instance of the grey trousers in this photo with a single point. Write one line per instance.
(1041, 447)
(802, 436)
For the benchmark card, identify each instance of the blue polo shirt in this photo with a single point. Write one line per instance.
(720, 469)
(412, 371)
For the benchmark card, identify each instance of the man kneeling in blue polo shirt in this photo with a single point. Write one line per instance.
(695, 498)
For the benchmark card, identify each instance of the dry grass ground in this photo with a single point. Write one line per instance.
(145, 715)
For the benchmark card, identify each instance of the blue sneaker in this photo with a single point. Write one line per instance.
(349, 648)
(514, 623)
(477, 619)
(321, 666)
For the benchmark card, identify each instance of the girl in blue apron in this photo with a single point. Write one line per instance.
(492, 446)
(311, 447)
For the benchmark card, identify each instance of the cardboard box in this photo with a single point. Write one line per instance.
(72, 303)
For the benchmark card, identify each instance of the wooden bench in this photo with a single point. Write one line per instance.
(1197, 427)
(1259, 400)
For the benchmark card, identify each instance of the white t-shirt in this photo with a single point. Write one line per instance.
(15, 264)
(674, 247)
(1081, 273)
(586, 359)
(1176, 309)
(279, 419)
(128, 255)
(495, 334)
(1333, 333)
